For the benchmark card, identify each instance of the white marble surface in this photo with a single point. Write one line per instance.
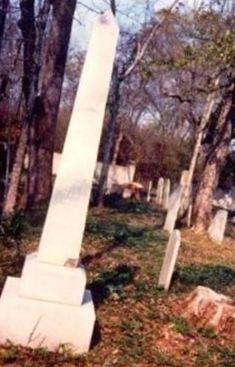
(173, 209)
(54, 283)
(170, 258)
(218, 226)
(63, 231)
(34, 323)
(159, 191)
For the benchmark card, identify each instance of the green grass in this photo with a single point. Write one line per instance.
(122, 233)
(123, 252)
(216, 276)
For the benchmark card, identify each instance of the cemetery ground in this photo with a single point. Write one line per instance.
(138, 324)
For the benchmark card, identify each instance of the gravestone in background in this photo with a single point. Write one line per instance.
(159, 191)
(49, 305)
(218, 226)
(150, 185)
(166, 193)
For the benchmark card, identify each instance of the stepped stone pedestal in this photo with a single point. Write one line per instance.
(35, 323)
(49, 305)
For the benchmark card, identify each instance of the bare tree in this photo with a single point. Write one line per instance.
(44, 124)
(120, 74)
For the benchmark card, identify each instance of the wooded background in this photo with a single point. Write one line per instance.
(171, 101)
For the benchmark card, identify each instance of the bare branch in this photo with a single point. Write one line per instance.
(141, 51)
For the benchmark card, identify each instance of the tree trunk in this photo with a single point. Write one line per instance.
(213, 164)
(203, 123)
(42, 142)
(113, 122)
(27, 27)
(117, 147)
(11, 196)
(4, 4)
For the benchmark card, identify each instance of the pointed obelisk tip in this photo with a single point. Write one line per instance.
(108, 18)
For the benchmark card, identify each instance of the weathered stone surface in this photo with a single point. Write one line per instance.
(63, 231)
(150, 185)
(208, 309)
(35, 324)
(189, 215)
(173, 209)
(186, 193)
(218, 225)
(159, 191)
(225, 200)
(52, 283)
(44, 308)
(132, 189)
(166, 193)
(117, 175)
(170, 258)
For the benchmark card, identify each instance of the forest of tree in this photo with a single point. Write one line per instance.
(170, 108)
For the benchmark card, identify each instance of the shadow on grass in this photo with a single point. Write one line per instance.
(217, 277)
(96, 336)
(122, 233)
(111, 283)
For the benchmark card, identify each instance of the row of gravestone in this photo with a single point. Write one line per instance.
(50, 301)
(161, 194)
(217, 226)
(216, 232)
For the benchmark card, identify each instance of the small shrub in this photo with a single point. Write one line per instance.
(11, 228)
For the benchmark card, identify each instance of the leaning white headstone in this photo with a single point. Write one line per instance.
(159, 191)
(170, 258)
(150, 185)
(189, 215)
(166, 193)
(49, 306)
(218, 226)
(173, 209)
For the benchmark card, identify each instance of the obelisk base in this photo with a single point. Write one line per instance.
(34, 323)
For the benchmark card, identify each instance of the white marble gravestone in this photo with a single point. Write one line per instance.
(170, 258)
(173, 209)
(218, 226)
(150, 185)
(49, 305)
(159, 191)
(166, 193)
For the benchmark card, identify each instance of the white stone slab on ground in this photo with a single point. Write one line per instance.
(169, 262)
(218, 226)
(49, 306)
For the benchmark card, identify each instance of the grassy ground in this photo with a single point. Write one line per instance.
(136, 321)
